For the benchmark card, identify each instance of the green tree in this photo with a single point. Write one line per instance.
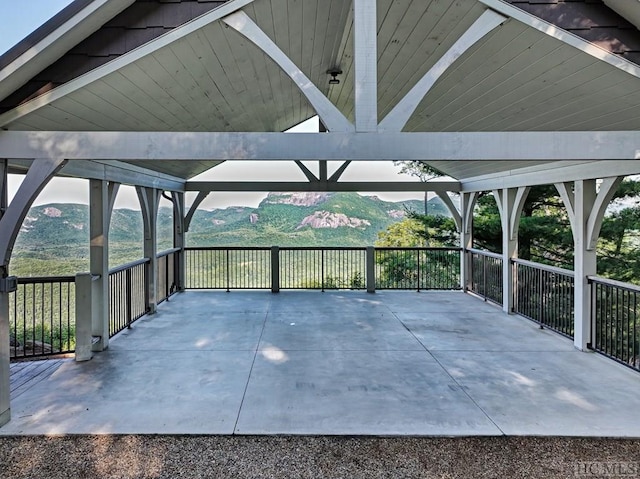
(544, 233)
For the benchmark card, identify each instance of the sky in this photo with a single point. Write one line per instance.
(21, 17)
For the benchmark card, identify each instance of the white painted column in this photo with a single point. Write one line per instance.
(99, 260)
(149, 202)
(506, 199)
(584, 262)
(366, 64)
(5, 406)
(178, 238)
(467, 203)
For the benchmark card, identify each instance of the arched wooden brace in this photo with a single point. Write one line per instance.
(149, 202)
(11, 217)
(202, 195)
(455, 214)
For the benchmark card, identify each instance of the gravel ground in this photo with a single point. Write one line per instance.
(140, 456)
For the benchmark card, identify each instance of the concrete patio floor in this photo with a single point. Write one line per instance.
(333, 363)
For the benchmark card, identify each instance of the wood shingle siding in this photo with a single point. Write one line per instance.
(591, 20)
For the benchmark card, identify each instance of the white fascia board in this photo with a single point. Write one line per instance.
(57, 43)
(123, 60)
(564, 36)
(432, 146)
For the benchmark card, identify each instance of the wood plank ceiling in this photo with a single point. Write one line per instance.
(515, 79)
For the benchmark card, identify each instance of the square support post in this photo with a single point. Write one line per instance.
(466, 239)
(5, 385)
(507, 199)
(99, 217)
(371, 269)
(584, 263)
(275, 269)
(179, 240)
(84, 316)
(149, 202)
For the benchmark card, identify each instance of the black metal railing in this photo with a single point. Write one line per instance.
(128, 295)
(485, 275)
(544, 294)
(614, 318)
(167, 274)
(228, 268)
(322, 268)
(42, 317)
(417, 268)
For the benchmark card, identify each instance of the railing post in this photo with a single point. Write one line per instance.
(593, 290)
(129, 294)
(484, 277)
(85, 311)
(418, 251)
(147, 288)
(275, 269)
(322, 269)
(371, 269)
(541, 298)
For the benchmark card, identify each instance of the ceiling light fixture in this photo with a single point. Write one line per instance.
(334, 72)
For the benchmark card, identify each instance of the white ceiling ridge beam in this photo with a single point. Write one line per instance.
(564, 36)
(329, 114)
(385, 146)
(557, 172)
(397, 118)
(366, 64)
(54, 45)
(301, 186)
(123, 61)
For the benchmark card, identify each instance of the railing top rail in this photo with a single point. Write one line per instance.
(613, 282)
(46, 279)
(418, 248)
(167, 252)
(231, 248)
(322, 248)
(482, 252)
(544, 267)
(128, 265)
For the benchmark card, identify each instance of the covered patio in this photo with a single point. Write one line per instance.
(333, 363)
(498, 96)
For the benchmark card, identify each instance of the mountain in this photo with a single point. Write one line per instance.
(54, 238)
(302, 219)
